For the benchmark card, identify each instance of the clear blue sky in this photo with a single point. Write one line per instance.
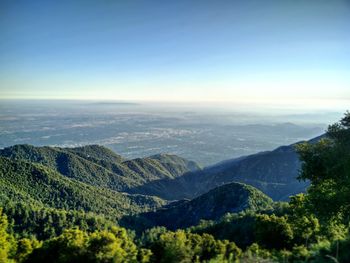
(175, 50)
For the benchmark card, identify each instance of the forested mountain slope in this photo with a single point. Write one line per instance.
(35, 183)
(99, 166)
(229, 198)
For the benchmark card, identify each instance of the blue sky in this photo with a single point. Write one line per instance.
(176, 50)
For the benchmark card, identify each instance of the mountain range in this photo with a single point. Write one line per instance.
(162, 189)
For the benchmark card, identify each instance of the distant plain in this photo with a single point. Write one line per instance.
(203, 134)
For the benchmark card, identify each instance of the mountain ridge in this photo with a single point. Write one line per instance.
(99, 166)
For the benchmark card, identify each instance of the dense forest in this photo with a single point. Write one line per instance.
(86, 204)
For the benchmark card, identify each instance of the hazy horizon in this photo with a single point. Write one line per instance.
(207, 133)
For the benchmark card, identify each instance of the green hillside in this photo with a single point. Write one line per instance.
(24, 181)
(99, 166)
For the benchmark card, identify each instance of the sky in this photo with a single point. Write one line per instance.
(293, 51)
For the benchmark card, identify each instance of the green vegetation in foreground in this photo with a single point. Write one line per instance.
(312, 227)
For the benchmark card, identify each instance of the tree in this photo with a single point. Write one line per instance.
(273, 232)
(305, 225)
(327, 165)
(7, 241)
(176, 247)
(112, 246)
(70, 246)
(75, 245)
(254, 253)
(25, 247)
(182, 246)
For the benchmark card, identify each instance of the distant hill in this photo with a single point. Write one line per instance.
(229, 198)
(273, 172)
(99, 166)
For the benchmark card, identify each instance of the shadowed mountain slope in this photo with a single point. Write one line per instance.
(273, 172)
(229, 198)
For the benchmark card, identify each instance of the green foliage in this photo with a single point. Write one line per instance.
(75, 245)
(238, 227)
(305, 225)
(246, 228)
(327, 165)
(181, 246)
(254, 253)
(116, 245)
(43, 222)
(25, 248)
(273, 232)
(337, 251)
(7, 241)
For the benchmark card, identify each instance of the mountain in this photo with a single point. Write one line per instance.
(98, 166)
(22, 181)
(229, 198)
(273, 172)
(44, 190)
(168, 176)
